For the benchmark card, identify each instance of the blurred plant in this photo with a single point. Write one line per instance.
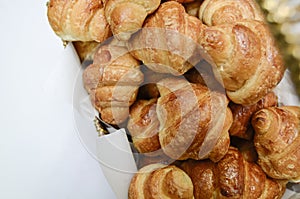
(284, 20)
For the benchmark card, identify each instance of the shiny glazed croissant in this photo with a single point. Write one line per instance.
(127, 16)
(112, 82)
(194, 121)
(78, 20)
(277, 141)
(241, 126)
(168, 40)
(157, 181)
(246, 57)
(231, 177)
(216, 12)
(143, 126)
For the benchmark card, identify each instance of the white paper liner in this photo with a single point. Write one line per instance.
(116, 160)
(289, 194)
(113, 151)
(286, 91)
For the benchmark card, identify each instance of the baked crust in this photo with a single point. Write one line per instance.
(78, 20)
(277, 141)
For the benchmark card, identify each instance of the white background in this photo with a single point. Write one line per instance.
(41, 155)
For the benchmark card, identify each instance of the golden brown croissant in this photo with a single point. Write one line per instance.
(231, 177)
(168, 40)
(78, 20)
(246, 57)
(127, 16)
(194, 121)
(216, 12)
(160, 181)
(143, 126)
(112, 82)
(277, 141)
(241, 126)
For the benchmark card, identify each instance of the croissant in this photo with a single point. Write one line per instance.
(246, 58)
(277, 141)
(241, 126)
(216, 12)
(231, 177)
(78, 20)
(168, 40)
(156, 181)
(127, 16)
(194, 121)
(143, 126)
(112, 81)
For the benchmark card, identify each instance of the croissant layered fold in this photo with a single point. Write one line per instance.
(78, 20)
(277, 141)
(143, 126)
(194, 121)
(231, 177)
(156, 181)
(242, 47)
(168, 40)
(246, 58)
(216, 12)
(186, 121)
(241, 126)
(112, 81)
(127, 16)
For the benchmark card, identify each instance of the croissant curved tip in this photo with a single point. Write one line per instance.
(261, 122)
(179, 183)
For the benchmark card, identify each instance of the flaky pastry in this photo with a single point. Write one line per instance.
(241, 126)
(127, 16)
(246, 57)
(157, 181)
(194, 121)
(143, 126)
(277, 141)
(231, 177)
(168, 40)
(112, 81)
(78, 20)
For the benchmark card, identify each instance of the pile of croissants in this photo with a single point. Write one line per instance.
(192, 81)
